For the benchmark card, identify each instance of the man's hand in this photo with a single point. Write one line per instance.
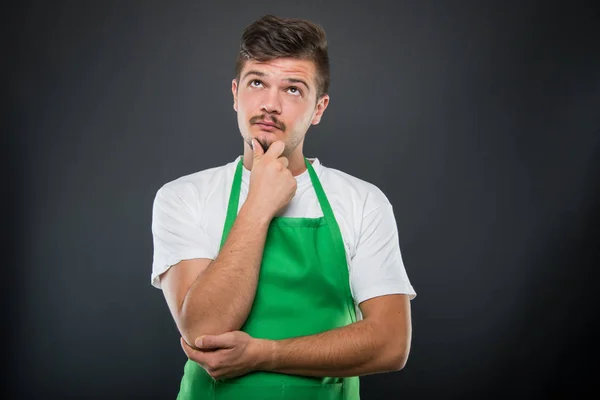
(272, 185)
(228, 355)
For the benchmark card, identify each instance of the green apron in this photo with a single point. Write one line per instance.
(303, 289)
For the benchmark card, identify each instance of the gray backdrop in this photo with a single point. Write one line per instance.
(479, 120)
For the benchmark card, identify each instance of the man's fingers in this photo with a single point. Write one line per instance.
(276, 149)
(284, 161)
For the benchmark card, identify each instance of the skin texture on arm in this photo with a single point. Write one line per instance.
(378, 343)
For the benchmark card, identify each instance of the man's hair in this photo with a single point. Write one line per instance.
(274, 37)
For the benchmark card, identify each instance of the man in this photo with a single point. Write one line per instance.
(284, 277)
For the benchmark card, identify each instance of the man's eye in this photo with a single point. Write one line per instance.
(294, 90)
(255, 83)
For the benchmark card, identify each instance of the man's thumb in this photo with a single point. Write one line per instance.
(213, 342)
(206, 342)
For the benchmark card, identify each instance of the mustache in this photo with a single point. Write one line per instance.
(266, 117)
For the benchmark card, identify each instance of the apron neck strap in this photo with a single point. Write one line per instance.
(325, 206)
(234, 201)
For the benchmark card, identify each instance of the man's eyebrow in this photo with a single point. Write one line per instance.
(262, 74)
(296, 80)
(253, 72)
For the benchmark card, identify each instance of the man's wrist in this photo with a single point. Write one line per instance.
(266, 353)
(251, 213)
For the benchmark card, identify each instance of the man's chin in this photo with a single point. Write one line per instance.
(264, 143)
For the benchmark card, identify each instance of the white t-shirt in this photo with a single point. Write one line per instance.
(189, 214)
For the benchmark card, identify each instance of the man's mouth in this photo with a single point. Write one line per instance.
(269, 126)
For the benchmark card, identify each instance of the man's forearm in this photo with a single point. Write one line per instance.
(220, 299)
(360, 348)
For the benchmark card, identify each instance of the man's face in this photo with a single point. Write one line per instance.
(277, 100)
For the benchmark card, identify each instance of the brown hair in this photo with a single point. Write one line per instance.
(273, 37)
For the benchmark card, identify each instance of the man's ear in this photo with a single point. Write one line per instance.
(321, 106)
(234, 91)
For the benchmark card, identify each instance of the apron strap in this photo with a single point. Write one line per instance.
(234, 201)
(325, 206)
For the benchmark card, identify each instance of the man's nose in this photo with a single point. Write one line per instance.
(271, 102)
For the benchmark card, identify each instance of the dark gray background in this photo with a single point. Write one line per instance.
(479, 120)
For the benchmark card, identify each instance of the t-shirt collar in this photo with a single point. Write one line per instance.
(302, 179)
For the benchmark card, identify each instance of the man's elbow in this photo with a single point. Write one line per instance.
(191, 328)
(400, 361)
(397, 359)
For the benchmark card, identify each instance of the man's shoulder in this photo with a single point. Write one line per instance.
(347, 184)
(197, 182)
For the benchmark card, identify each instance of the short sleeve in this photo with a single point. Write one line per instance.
(176, 231)
(377, 268)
